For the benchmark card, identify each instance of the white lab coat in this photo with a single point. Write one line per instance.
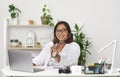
(69, 55)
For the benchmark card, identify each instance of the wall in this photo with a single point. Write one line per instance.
(101, 19)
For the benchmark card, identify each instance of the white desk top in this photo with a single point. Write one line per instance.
(49, 71)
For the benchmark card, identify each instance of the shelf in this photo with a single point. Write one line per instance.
(35, 25)
(14, 31)
(25, 48)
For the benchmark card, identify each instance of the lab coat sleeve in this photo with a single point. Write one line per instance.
(71, 56)
(41, 57)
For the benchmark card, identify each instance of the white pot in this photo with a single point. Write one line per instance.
(14, 21)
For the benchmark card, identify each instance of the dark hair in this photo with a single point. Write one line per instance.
(70, 35)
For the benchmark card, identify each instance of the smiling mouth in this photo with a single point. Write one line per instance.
(60, 37)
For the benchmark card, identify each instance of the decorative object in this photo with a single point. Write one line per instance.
(14, 14)
(38, 44)
(31, 22)
(20, 44)
(46, 19)
(30, 39)
(84, 44)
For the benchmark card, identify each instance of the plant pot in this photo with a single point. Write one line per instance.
(45, 20)
(14, 21)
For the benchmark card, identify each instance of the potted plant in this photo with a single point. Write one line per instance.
(14, 12)
(84, 44)
(46, 18)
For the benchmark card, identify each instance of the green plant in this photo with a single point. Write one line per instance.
(46, 18)
(14, 12)
(84, 44)
(45, 10)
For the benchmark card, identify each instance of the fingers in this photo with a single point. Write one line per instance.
(54, 50)
(54, 47)
(54, 54)
(34, 64)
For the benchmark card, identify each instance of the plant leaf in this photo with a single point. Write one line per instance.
(13, 15)
(44, 9)
(44, 5)
(12, 7)
(18, 10)
(76, 27)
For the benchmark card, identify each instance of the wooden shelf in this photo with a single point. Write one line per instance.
(20, 30)
(25, 48)
(34, 25)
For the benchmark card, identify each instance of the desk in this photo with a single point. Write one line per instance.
(51, 72)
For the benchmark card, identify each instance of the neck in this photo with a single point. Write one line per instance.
(61, 42)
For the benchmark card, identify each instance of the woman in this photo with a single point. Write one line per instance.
(62, 51)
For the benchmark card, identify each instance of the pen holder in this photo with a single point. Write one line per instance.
(96, 69)
(99, 68)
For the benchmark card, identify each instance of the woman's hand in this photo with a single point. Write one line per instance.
(54, 50)
(34, 64)
(54, 47)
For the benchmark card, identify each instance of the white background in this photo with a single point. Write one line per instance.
(101, 19)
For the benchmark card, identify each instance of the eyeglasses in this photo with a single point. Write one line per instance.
(62, 30)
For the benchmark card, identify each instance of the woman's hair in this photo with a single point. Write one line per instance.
(70, 35)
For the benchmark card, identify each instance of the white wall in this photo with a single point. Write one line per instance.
(101, 19)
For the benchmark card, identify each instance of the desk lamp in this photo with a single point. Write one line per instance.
(114, 53)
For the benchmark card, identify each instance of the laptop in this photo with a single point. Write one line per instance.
(20, 60)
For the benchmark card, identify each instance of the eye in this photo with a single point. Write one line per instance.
(62, 30)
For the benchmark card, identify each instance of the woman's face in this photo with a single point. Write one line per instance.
(61, 32)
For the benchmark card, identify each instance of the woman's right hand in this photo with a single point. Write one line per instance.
(54, 51)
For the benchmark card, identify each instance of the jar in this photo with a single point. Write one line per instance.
(14, 42)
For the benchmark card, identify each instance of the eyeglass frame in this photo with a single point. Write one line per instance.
(62, 30)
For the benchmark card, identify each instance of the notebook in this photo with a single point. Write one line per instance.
(20, 60)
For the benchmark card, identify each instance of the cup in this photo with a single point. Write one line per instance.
(76, 69)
